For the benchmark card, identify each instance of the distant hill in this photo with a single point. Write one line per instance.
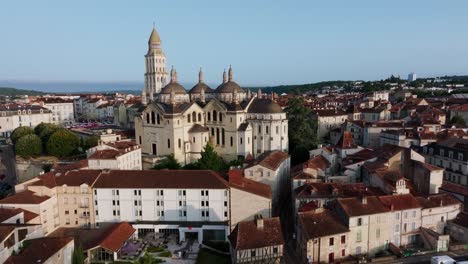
(7, 91)
(300, 88)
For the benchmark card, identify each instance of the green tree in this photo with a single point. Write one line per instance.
(299, 155)
(458, 121)
(45, 131)
(62, 143)
(20, 132)
(169, 162)
(302, 128)
(78, 256)
(210, 160)
(28, 146)
(90, 142)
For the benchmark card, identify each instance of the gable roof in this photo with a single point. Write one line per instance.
(170, 179)
(247, 235)
(322, 223)
(24, 197)
(270, 159)
(365, 206)
(40, 250)
(400, 202)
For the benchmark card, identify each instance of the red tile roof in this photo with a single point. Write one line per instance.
(25, 197)
(82, 164)
(310, 206)
(170, 179)
(400, 202)
(438, 200)
(5, 231)
(106, 154)
(320, 224)
(366, 206)
(346, 141)
(251, 186)
(116, 236)
(7, 213)
(40, 250)
(247, 235)
(454, 188)
(461, 219)
(270, 159)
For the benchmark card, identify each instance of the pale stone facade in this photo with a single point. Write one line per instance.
(13, 116)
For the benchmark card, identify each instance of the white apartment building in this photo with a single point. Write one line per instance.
(452, 155)
(14, 115)
(189, 203)
(271, 168)
(118, 155)
(63, 112)
(328, 120)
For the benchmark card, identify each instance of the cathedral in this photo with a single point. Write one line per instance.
(180, 122)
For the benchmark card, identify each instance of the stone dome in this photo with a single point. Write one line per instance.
(264, 106)
(229, 87)
(173, 86)
(199, 87)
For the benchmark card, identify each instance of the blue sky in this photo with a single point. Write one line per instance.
(267, 42)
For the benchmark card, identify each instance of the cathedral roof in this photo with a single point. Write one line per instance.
(264, 106)
(229, 87)
(175, 108)
(154, 37)
(197, 128)
(173, 86)
(199, 87)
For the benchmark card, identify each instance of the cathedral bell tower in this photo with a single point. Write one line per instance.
(156, 69)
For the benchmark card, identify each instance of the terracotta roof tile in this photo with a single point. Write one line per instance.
(454, 188)
(5, 231)
(247, 235)
(106, 154)
(116, 236)
(7, 213)
(365, 206)
(270, 159)
(438, 200)
(461, 219)
(320, 224)
(170, 179)
(39, 250)
(25, 197)
(400, 202)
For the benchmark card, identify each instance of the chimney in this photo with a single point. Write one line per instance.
(235, 175)
(392, 207)
(364, 200)
(259, 221)
(441, 203)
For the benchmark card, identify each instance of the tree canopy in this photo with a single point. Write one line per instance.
(62, 143)
(210, 160)
(19, 132)
(302, 128)
(458, 121)
(45, 131)
(29, 146)
(169, 163)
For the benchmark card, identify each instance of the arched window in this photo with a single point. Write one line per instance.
(266, 129)
(232, 141)
(188, 118)
(168, 143)
(147, 118)
(159, 119)
(194, 116)
(220, 117)
(223, 137)
(209, 116)
(199, 117)
(153, 118)
(215, 115)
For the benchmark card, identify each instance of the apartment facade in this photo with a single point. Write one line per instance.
(15, 115)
